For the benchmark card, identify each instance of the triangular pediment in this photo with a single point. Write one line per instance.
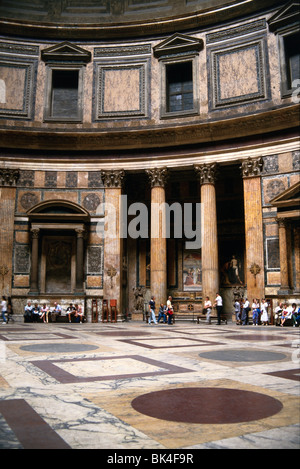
(66, 52)
(287, 15)
(289, 197)
(176, 44)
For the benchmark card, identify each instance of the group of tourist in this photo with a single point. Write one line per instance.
(166, 312)
(260, 313)
(36, 313)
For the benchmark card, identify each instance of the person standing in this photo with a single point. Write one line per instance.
(264, 312)
(207, 309)
(170, 310)
(4, 309)
(219, 305)
(245, 312)
(152, 310)
(237, 310)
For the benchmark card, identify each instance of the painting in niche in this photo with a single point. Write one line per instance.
(192, 271)
(58, 266)
(232, 264)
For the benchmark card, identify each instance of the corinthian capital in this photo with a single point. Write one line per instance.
(113, 178)
(157, 176)
(9, 177)
(252, 167)
(207, 173)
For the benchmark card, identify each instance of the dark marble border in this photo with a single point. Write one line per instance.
(161, 339)
(30, 429)
(49, 367)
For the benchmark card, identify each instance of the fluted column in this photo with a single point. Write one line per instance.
(8, 182)
(34, 260)
(209, 232)
(113, 242)
(251, 171)
(283, 256)
(158, 250)
(79, 260)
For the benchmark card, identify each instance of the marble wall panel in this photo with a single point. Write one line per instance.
(238, 74)
(17, 88)
(121, 90)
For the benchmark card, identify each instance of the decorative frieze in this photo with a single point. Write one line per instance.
(157, 176)
(252, 167)
(207, 173)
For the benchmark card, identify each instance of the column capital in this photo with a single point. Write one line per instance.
(80, 232)
(207, 172)
(282, 222)
(113, 179)
(252, 167)
(157, 176)
(9, 177)
(35, 232)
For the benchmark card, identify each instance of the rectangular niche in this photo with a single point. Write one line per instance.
(238, 74)
(16, 88)
(121, 90)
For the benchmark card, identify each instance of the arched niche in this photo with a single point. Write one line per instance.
(57, 228)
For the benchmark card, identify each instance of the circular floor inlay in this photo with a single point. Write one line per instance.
(58, 348)
(235, 355)
(207, 405)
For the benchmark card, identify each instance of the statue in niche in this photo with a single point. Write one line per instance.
(139, 293)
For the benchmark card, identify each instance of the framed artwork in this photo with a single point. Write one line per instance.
(192, 270)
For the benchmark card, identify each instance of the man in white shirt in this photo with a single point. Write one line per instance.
(219, 305)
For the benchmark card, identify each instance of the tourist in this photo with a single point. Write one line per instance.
(4, 309)
(36, 313)
(152, 310)
(28, 312)
(219, 305)
(71, 311)
(296, 318)
(278, 314)
(237, 311)
(162, 314)
(10, 310)
(207, 309)
(79, 313)
(44, 312)
(245, 312)
(170, 311)
(255, 312)
(264, 312)
(55, 312)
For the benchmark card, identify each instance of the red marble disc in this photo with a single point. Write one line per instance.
(207, 405)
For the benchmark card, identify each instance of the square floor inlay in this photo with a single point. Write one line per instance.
(107, 368)
(173, 342)
(11, 336)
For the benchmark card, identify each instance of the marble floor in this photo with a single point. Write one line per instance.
(136, 386)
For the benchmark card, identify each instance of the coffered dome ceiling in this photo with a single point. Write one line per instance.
(117, 18)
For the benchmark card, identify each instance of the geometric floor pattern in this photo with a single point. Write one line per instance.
(131, 386)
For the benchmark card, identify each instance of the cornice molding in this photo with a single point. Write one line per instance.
(162, 137)
(136, 25)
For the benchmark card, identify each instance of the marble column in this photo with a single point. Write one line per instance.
(158, 249)
(251, 171)
(113, 242)
(34, 260)
(79, 260)
(8, 181)
(283, 256)
(209, 231)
